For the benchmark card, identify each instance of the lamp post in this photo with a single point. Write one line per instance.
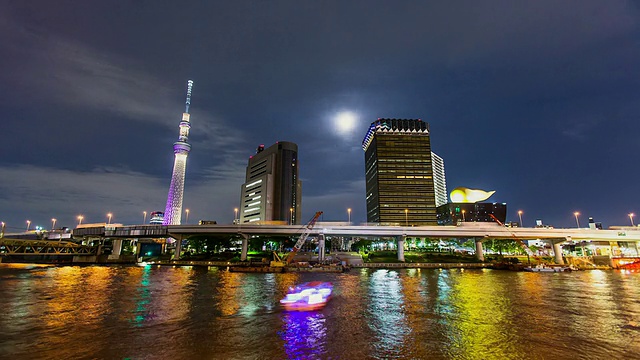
(520, 216)
(290, 216)
(144, 217)
(577, 221)
(406, 217)
(28, 224)
(186, 220)
(53, 224)
(109, 215)
(2, 233)
(631, 218)
(349, 212)
(463, 218)
(235, 215)
(80, 217)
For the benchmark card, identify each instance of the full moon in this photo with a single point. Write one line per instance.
(345, 122)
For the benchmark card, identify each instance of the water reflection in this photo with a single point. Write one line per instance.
(143, 297)
(387, 314)
(193, 313)
(481, 318)
(304, 334)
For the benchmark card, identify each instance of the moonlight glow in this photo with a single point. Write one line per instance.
(345, 122)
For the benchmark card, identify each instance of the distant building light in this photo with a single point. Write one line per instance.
(253, 183)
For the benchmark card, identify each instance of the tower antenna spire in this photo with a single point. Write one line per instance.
(181, 149)
(188, 102)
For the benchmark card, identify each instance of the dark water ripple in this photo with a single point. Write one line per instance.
(198, 313)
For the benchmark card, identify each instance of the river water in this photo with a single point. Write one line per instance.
(120, 312)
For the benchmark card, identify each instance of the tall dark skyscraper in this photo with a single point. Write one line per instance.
(399, 173)
(272, 191)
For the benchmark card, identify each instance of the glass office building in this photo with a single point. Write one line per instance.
(399, 173)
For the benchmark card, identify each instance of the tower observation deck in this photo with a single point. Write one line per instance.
(181, 149)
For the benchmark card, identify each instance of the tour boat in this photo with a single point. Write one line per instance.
(308, 296)
(545, 268)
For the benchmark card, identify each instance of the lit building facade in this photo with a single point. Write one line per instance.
(156, 218)
(439, 179)
(181, 149)
(453, 213)
(272, 191)
(399, 173)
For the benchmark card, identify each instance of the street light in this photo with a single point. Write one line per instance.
(576, 215)
(80, 217)
(631, 218)
(349, 212)
(290, 216)
(2, 233)
(463, 219)
(109, 215)
(406, 217)
(186, 221)
(144, 217)
(520, 216)
(53, 224)
(235, 214)
(28, 224)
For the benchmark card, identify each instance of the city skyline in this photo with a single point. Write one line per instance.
(534, 101)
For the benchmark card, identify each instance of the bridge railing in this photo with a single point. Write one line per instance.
(43, 247)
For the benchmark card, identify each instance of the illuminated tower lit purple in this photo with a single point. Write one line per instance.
(173, 211)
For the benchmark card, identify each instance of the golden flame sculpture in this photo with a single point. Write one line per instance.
(466, 195)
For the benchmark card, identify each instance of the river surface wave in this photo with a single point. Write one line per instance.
(152, 312)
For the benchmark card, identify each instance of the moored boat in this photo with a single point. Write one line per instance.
(255, 269)
(547, 268)
(316, 268)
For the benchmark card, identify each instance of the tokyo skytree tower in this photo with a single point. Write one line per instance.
(181, 148)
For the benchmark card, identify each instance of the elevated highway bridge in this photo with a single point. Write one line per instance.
(467, 230)
(477, 231)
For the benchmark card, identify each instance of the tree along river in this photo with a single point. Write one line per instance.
(118, 312)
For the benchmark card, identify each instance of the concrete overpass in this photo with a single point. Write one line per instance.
(466, 230)
(480, 232)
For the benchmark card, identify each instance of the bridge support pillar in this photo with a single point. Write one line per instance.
(557, 252)
(321, 246)
(116, 250)
(400, 240)
(479, 250)
(178, 252)
(245, 247)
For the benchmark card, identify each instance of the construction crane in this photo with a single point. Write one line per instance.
(303, 237)
(520, 242)
(301, 240)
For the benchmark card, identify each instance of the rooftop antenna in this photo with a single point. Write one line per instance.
(188, 102)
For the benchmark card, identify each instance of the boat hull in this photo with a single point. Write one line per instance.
(547, 269)
(309, 296)
(256, 269)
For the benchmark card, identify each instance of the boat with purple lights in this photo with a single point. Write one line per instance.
(308, 296)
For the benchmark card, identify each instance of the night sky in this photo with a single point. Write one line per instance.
(536, 100)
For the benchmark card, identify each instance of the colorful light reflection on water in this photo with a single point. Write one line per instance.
(192, 313)
(304, 334)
